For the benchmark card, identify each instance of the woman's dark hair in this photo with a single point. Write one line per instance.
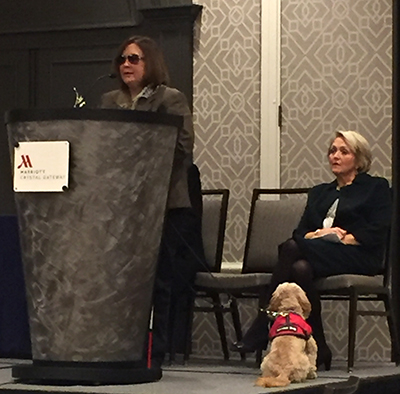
(155, 70)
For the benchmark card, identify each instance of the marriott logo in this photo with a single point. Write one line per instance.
(26, 162)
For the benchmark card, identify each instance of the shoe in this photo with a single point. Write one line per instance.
(155, 371)
(258, 343)
(256, 337)
(241, 347)
(156, 363)
(324, 358)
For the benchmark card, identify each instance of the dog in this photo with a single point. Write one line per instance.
(293, 353)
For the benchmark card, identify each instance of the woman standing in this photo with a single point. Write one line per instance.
(143, 78)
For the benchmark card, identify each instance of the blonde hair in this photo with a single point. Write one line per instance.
(359, 146)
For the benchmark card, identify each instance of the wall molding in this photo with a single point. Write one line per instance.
(270, 94)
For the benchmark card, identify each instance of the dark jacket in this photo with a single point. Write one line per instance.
(364, 209)
(165, 100)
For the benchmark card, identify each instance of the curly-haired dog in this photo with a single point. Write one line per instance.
(293, 352)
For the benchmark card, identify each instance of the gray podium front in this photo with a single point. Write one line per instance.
(90, 252)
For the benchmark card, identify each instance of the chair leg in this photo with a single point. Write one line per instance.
(352, 329)
(188, 342)
(219, 317)
(262, 302)
(179, 325)
(236, 323)
(394, 337)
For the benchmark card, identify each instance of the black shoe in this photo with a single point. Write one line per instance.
(241, 347)
(155, 371)
(256, 338)
(324, 358)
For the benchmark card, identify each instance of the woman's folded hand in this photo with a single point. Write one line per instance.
(323, 231)
(349, 239)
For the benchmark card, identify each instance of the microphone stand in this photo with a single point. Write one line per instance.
(80, 100)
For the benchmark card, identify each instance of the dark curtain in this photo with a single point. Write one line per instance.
(14, 326)
(395, 249)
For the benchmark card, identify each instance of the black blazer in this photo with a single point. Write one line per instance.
(364, 209)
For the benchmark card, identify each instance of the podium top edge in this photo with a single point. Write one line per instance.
(116, 115)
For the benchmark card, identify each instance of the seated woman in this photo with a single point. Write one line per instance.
(355, 210)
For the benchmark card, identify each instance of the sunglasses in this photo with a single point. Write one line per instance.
(132, 59)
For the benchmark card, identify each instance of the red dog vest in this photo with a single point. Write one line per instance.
(291, 324)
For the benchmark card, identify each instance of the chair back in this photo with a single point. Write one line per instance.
(215, 209)
(387, 269)
(271, 222)
(388, 260)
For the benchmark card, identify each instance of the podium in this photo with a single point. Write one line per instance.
(90, 252)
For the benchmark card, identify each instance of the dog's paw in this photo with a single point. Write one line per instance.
(260, 382)
(272, 381)
(312, 374)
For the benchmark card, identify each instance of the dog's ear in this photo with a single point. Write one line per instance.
(275, 302)
(304, 303)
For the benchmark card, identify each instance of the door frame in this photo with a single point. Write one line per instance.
(270, 93)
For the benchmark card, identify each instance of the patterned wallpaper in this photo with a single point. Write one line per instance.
(336, 74)
(226, 107)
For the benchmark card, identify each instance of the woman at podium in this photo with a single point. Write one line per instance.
(143, 78)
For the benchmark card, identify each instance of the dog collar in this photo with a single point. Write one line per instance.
(273, 314)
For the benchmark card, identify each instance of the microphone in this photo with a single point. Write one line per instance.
(80, 100)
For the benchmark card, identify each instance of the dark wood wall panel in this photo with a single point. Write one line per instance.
(48, 15)
(59, 70)
(14, 93)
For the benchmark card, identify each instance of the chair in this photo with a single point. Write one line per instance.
(354, 288)
(215, 209)
(271, 222)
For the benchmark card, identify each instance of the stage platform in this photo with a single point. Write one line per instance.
(210, 376)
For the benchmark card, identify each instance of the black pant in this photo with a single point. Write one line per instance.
(291, 267)
(181, 256)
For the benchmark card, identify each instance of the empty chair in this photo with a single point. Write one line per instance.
(271, 222)
(215, 208)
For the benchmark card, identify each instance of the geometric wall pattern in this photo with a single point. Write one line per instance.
(336, 74)
(226, 107)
